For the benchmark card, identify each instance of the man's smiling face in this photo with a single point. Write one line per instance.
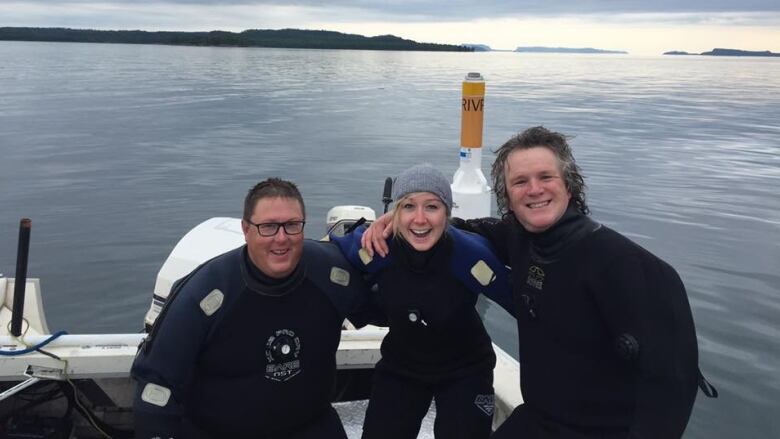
(535, 187)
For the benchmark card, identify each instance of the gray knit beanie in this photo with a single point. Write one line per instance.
(423, 178)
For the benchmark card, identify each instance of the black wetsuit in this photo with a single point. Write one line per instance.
(256, 359)
(606, 337)
(437, 347)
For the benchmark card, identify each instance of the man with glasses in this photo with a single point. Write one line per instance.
(245, 346)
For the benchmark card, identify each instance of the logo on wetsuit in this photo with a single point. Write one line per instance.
(486, 403)
(281, 351)
(535, 277)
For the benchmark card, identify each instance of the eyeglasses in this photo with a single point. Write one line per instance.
(271, 229)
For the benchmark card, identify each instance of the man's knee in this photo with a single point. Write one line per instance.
(326, 426)
(520, 424)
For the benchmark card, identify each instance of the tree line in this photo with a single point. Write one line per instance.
(287, 38)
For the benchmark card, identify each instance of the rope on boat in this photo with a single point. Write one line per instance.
(33, 348)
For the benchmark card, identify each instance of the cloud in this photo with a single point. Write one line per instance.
(236, 15)
(441, 10)
(638, 27)
(698, 18)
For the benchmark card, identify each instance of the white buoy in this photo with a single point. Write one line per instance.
(470, 190)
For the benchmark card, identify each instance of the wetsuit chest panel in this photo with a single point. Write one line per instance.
(271, 359)
(560, 293)
(552, 297)
(436, 295)
(445, 335)
(567, 354)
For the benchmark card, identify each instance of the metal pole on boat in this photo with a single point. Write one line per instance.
(387, 194)
(470, 191)
(23, 250)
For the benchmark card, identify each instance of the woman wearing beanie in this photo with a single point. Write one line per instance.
(607, 342)
(437, 347)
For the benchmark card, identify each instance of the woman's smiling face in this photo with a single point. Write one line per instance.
(421, 219)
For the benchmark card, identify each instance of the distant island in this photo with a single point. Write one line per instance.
(484, 48)
(726, 52)
(478, 47)
(537, 49)
(283, 38)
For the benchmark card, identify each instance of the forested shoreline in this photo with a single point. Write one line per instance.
(286, 38)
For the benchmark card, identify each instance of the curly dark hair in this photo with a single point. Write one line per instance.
(271, 188)
(532, 138)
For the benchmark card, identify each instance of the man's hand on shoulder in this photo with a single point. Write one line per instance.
(375, 237)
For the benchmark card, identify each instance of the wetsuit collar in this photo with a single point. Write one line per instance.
(415, 260)
(261, 283)
(572, 227)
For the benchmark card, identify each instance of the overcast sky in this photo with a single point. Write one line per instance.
(639, 27)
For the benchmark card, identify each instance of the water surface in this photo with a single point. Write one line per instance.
(115, 151)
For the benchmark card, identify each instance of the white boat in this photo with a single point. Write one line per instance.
(92, 371)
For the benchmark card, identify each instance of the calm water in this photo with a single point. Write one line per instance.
(115, 151)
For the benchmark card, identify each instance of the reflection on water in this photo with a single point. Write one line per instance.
(115, 151)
